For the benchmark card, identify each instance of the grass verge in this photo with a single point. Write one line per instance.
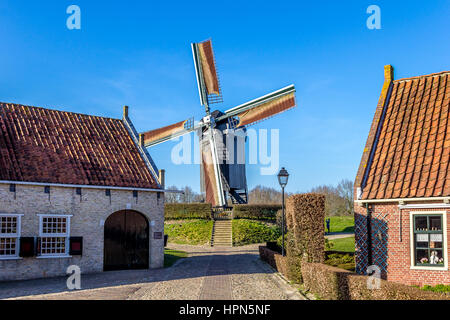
(251, 231)
(171, 256)
(341, 224)
(343, 244)
(193, 232)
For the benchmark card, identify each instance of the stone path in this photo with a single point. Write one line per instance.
(208, 274)
(339, 235)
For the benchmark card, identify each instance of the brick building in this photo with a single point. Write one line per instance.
(402, 188)
(76, 190)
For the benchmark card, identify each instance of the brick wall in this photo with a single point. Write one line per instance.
(398, 244)
(88, 218)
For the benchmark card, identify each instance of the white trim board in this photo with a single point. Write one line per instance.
(40, 184)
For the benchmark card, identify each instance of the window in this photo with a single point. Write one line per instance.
(428, 240)
(54, 232)
(9, 235)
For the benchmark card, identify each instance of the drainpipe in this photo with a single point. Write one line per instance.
(369, 235)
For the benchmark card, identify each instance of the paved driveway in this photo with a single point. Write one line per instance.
(208, 274)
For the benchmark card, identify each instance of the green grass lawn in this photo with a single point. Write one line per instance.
(193, 232)
(344, 244)
(252, 231)
(342, 224)
(171, 256)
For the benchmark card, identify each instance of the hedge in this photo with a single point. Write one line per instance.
(256, 211)
(175, 211)
(305, 214)
(332, 283)
(275, 260)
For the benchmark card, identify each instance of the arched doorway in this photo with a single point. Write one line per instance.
(126, 241)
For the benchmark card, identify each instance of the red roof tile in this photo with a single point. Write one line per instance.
(411, 156)
(49, 146)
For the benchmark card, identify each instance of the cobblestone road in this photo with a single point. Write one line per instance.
(208, 274)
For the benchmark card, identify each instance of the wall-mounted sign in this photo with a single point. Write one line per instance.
(157, 235)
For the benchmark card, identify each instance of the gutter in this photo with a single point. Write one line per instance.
(403, 200)
(40, 184)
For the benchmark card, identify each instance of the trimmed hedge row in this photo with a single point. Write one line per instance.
(175, 211)
(275, 260)
(256, 211)
(332, 283)
(305, 214)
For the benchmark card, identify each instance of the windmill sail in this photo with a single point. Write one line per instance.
(207, 78)
(262, 108)
(208, 174)
(163, 134)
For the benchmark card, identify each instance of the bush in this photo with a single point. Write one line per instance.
(248, 232)
(175, 211)
(332, 283)
(274, 259)
(256, 211)
(194, 232)
(305, 214)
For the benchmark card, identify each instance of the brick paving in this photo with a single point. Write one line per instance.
(207, 274)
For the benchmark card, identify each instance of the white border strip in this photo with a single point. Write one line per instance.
(86, 186)
(403, 200)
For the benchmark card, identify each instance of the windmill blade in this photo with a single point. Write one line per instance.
(206, 71)
(263, 107)
(157, 136)
(208, 174)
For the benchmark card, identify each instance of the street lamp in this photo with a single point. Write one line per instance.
(283, 177)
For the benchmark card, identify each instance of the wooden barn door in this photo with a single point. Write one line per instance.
(126, 241)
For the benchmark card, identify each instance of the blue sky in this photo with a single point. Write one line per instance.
(137, 53)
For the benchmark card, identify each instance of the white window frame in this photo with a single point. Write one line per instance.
(55, 235)
(16, 235)
(412, 214)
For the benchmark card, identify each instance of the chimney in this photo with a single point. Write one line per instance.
(125, 111)
(388, 73)
(162, 178)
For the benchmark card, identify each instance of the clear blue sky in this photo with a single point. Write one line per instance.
(137, 53)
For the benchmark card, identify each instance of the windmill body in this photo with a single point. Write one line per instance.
(222, 134)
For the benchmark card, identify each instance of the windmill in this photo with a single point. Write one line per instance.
(222, 171)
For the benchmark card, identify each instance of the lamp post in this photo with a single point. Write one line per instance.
(283, 177)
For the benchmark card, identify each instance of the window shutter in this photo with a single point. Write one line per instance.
(38, 246)
(26, 247)
(76, 246)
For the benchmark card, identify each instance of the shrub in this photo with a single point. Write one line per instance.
(332, 283)
(175, 211)
(274, 259)
(256, 211)
(305, 214)
(248, 232)
(194, 232)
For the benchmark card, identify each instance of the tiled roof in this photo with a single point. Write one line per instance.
(49, 146)
(412, 148)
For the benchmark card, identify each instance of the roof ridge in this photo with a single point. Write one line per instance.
(68, 112)
(423, 76)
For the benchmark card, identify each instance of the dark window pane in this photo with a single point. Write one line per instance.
(422, 256)
(421, 223)
(435, 223)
